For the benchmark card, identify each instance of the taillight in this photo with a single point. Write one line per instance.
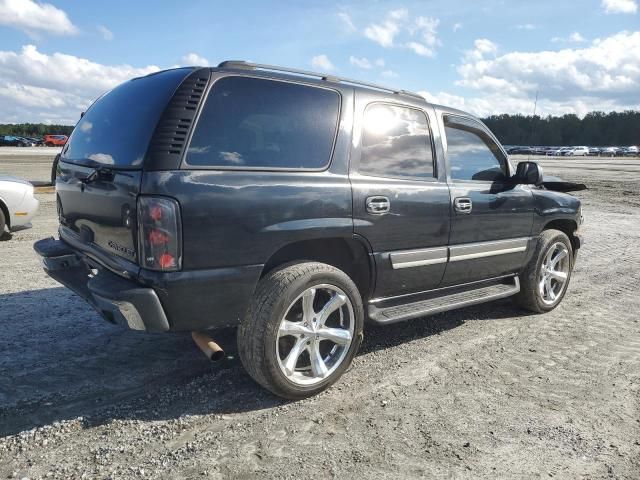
(159, 234)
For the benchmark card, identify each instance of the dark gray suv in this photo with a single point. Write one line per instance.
(297, 207)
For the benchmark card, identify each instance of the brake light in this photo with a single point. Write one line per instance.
(159, 234)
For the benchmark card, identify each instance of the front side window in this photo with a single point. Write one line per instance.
(258, 123)
(396, 143)
(472, 153)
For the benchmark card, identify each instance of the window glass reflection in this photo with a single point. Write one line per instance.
(396, 143)
(473, 155)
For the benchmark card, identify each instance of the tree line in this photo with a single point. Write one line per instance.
(596, 129)
(34, 129)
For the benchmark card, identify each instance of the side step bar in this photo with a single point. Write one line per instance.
(443, 303)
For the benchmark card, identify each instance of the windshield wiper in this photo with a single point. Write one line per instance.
(99, 173)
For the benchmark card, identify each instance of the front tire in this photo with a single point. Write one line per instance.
(3, 223)
(302, 330)
(546, 277)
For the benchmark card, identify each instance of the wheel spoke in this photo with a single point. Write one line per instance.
(559, 276)
(318, 367)
(336, 335)
(555, 260)
(292, 328)
(335, 302)
(307, 304)
(542, 285)
(551, 293)
(292, 359)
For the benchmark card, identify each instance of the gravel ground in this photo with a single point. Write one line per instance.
(484, 392)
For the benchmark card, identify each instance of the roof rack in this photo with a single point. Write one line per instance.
(242, 65)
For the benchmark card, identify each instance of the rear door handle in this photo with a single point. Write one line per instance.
(378, 205)
(462, 205)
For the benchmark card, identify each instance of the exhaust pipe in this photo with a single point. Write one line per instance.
(210, 348)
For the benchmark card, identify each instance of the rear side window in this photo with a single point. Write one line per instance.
(472, 153)
(396, 143)
(258, 123)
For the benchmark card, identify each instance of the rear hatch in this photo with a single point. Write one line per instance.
(100, 170)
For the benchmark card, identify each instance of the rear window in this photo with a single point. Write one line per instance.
(117, 128)
(258, 123)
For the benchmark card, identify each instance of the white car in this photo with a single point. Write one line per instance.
(17, 204)
(578, 151)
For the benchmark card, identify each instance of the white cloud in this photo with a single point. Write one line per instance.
(322, 62)
(418, 34)
(605, 75)
(38, 87)
(526, 26)
(348, 24)
(379, 62)
(388, 74)
(482, 47)
(360, 62)
(427, 29)
(575, 37)
(456, 27)
(32, 17)
(420, 49)
(385, 32)
(620, 6)
(105, 32)
(194, 59)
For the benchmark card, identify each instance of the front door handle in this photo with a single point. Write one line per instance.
(462, 205)
(378, 205)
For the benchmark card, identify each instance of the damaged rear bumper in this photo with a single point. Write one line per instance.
(117, 299)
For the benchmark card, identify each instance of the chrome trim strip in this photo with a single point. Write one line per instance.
(418, 258)
(487, 249)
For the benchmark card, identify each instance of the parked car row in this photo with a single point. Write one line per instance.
(47, 140)
(579, 151)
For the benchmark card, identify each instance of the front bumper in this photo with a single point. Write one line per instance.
(117, 299)
(23, 214)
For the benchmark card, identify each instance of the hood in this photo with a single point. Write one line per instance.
(10, 178)
(558, 185)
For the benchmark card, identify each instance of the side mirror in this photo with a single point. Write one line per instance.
(528, 173)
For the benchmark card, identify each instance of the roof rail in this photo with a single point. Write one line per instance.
(242, 65)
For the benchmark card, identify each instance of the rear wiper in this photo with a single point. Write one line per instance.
(104, 173)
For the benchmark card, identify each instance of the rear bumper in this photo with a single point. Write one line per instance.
(154, 302)
(118, 300)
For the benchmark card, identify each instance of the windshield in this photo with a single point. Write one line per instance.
(117, 128)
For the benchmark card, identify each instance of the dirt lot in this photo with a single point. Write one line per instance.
(483, 392)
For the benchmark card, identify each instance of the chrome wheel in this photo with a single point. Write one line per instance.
(554, 273)
(315, 334)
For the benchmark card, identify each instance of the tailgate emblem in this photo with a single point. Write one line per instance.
(121, 248)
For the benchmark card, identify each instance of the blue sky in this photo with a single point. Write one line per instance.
(485, 57)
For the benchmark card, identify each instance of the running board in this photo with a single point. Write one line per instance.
(444, 303)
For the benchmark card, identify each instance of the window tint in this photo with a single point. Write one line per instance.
(117, 128)
(472, 154)
(250, 122)
(396, 142)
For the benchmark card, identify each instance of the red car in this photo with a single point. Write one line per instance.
(55, 140)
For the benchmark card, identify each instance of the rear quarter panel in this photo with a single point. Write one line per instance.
(235, 218)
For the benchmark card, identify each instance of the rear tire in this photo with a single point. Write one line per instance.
(3, 223)
(54, 169)
(545, 279)
(302, 330)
